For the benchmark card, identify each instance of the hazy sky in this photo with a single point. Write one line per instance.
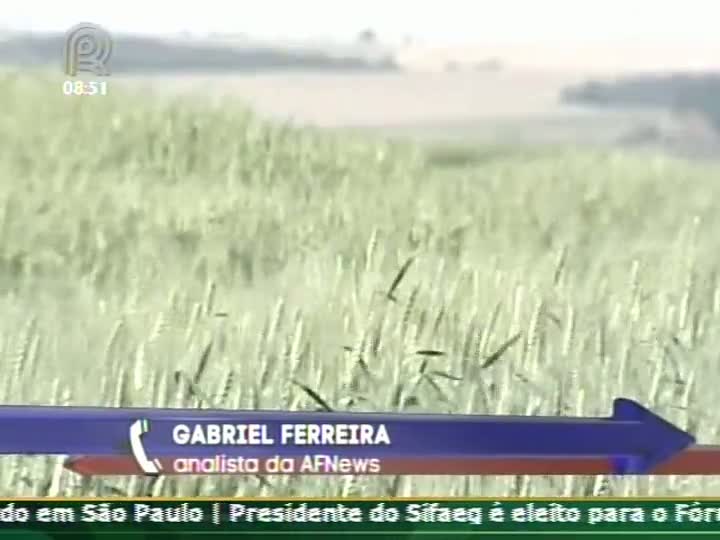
(439, 21)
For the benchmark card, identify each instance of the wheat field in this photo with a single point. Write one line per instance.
(171, 252)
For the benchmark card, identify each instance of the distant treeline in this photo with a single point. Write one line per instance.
(684, 93)
(134, 54)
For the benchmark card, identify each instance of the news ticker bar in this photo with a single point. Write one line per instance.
(399, 517)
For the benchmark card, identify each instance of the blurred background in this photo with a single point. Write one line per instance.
(637, 73)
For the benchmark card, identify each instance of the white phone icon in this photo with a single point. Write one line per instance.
(137, 430)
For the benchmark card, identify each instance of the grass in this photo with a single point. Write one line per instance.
(178, 253)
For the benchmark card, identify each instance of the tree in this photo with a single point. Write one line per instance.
(367, 36)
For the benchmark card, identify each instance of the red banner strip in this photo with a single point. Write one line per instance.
(697, 460)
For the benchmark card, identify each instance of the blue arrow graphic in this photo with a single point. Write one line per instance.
(634, 438)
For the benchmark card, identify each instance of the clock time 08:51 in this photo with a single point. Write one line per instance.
(85, 88)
